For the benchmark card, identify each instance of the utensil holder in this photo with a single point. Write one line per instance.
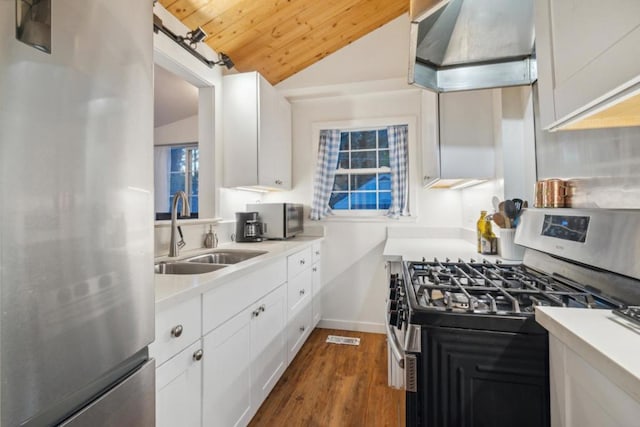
(509, 250)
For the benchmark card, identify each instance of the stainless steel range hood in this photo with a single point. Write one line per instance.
(472, 44)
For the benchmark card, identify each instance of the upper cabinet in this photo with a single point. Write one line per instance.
(257, 133)
(458, 137)
(588, 67)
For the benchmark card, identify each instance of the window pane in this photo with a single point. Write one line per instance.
(339, 201)
(178, 159)
(176, 183)
(344, 141)
(384, 181)
(384, 199)
(341, 182)
(363, 140)
(363, 182)
(363, 200)
(383, 158)
(383, 142)
(363, 159)
(343, 160)
(193, 204)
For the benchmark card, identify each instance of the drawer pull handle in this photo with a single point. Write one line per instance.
(278, 182)
(176, 331)
(301, 262)
(255, 313)
(317, 252)
(302, 329)
(315, 269)
(197, 356)
(302, 291)
(263, 308)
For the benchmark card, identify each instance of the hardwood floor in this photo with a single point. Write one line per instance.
(335, 385)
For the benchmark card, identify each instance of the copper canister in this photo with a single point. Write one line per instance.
(570, 193)
(554, 193)
(539, 193)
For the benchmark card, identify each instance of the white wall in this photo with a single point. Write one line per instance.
(179, 132)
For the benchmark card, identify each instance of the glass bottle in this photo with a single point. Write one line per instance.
(480, 228)
(488, 240)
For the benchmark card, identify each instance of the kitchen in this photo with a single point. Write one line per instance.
(373, 87)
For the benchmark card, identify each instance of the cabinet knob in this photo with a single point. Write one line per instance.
(302, 291)
(256, 312)
(262, 308)
(302, 328)
(176, 331)
(314, 269)
(197, 356)
(317, 252)
(278, 182)
(301, 262)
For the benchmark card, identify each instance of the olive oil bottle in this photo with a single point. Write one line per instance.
(488, 240)
(480, 228)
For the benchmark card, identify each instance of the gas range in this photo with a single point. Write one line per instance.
(464, 332)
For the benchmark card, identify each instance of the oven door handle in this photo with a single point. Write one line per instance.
(398, 352)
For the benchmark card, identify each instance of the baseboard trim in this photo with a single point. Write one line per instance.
(347, 325)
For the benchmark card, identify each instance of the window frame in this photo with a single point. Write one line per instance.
(188, 173)
(370, 124)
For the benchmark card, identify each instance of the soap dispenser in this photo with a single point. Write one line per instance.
(210, 239)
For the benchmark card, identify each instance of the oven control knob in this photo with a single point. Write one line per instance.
(394, 281)
(393, 317)
(393, 305)
(393, 294)
(399, 318)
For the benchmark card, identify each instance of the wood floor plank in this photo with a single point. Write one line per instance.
(331, 385)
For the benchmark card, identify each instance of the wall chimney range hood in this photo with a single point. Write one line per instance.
(471, 44)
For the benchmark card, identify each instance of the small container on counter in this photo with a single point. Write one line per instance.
(550, 193)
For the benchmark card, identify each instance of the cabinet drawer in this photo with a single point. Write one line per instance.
(298, 330)
(299, 291)
(298, 262)
(176, 328)
(316, 252)
(222, 303)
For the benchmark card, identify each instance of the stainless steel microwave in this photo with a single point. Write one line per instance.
(279, 220)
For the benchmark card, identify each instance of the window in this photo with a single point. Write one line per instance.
(363, 176)
(176, 169)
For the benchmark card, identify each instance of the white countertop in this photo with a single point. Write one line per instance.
(412, 243)
(172, 289)
(608, 342)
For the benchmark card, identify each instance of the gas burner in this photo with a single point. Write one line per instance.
(492, 288)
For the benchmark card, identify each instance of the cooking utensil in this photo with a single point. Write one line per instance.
(507, 221)
(500, 220)
(510, 210)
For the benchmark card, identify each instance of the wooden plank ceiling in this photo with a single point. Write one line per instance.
(278, 38)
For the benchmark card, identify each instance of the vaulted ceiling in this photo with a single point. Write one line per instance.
(278, 38)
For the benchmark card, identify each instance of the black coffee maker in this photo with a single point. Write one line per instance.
(248, 227)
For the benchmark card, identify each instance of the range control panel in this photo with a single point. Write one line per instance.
(566, 227)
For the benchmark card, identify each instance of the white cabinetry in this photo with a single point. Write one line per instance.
(178, 386)
(300, 294)
(316, 282)
(587, 54)
(257, 133)
(178, 353)
(581, 396)
(245, 358)
(458, 136)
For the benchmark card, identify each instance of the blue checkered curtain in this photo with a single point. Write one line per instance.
(325, 172)
(398, 161)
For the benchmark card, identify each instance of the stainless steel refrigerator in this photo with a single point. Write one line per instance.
(76, 230)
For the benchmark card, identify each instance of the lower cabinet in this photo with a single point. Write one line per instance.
(582, 396)
(316, 285)
(178, 386)
(245, 358)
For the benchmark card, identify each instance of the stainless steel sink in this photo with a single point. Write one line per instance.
(228, 256)
(186, 268)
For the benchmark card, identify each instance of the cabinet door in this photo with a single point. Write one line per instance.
(178, 386)
(268, 350)
(274, 148)
(227, 373)
(430, 138)
(240, 130)
(466, 134)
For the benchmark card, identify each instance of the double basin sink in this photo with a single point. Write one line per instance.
(207, 262)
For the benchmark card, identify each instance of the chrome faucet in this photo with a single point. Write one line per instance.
(174, 245)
